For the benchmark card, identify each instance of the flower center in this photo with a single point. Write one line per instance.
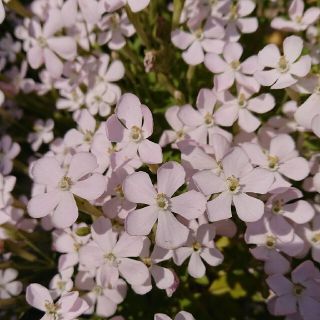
(110, 258)
(180, 134)
(208, 119)
(273, 162)
(198, 34)
(112, 149)
(136, 134)
(242, 100)
(87, 136)
(162, 201)
(277, 206)
(283, 64)
(196, 246)
(119, 192)
(98, 290)
(234, 11)
(233, 184)
(218, 169)
(51, 308)
(235, 65)
(61, 285)
(147, 261)
(115, 20)
(98, 99)
(316, 238)
(298, 19)
(271, 242)
(298, 289)
(74, 95)
(76, 246)
(65, 184)
(42, 42)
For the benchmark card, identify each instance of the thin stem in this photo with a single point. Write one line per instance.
(134, 19)
(19, 8)
(86, 207)
(177, 9)
(20, 236)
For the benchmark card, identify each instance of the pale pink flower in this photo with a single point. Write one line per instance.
(83, 33)
(71, 100)
(102, 148)
(229, 68)
(299, 20)
(8, 151)
(309, 109)
(204, 157)
(161, 204)
(179, 130)
(285, 123)
(164, 278)
(237, 20)
(242, 107)
(200, 246)
(114, 29)
(81, 139)
(9, 287)
(103, 297)
(7, 184)
(204, 122)
(238, 177)
(117, 205)
(61, 186)
(182, 315)
(109, 72)
(311, 233)
(61, 283)
(68, 242)
(272, 240)
(43, 133)
(99, 100)
(281, 159)
(283, 70)
(68, 307)
(112, 254)
(301, 294)
(131, 127)
(9, 48)
(135, 5)
(46, 47)
(284, 206)
(199, 41)
(89, 9)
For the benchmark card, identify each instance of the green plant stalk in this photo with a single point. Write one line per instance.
(16, 249)
(19, 8)
(16, 234)
(134, 19)
(177, 9)
(86, 207)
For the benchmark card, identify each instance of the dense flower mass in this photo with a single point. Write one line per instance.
(159, 159)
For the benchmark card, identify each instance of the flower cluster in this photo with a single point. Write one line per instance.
(157, 150)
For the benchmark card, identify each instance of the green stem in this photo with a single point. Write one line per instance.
(177, 9)
(17, 250)
(134, 19)
(18, 235)
(128, 53)
(86, 207)
(19, 8)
